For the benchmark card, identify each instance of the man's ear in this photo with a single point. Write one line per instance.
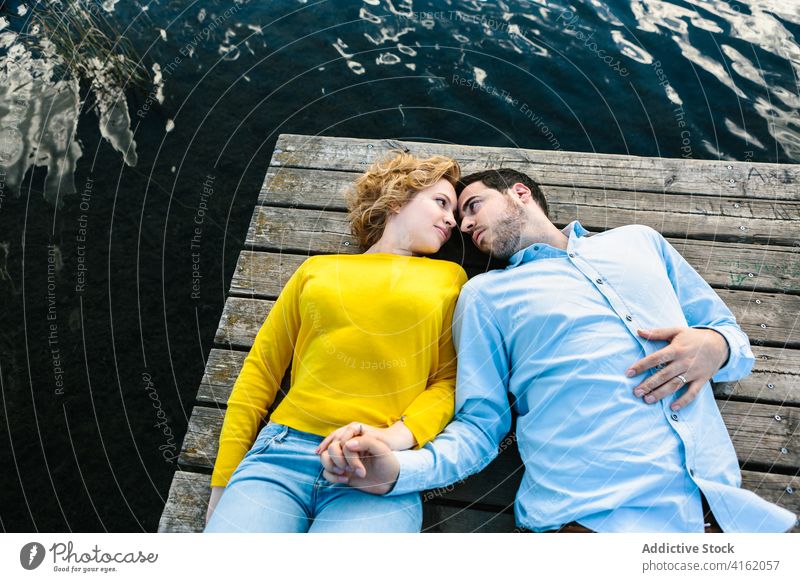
(522, 192)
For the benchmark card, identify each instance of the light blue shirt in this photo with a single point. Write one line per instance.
(557, 330)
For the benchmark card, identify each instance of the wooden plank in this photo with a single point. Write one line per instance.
(325, 190)
(758, 436)
(781, 489)
(222, 369)
(188, 498)
(496, 486)
(767, 318)
(743, 266)
(241, 319)
(445, 519)
(202, 438)
(764, 435)
(305, 231)
(300, 231)
(774, 378)
(558, 168)
(185, 511)
(679, 215)
(263, 274)
(729, 266)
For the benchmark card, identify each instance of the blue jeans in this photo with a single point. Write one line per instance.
(279, 487)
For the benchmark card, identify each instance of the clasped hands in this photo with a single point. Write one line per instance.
(361, 455)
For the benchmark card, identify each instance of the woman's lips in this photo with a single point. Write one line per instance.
(445, 233)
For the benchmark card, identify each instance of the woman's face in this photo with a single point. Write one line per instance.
(426, 221)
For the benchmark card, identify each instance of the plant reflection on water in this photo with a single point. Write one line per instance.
(49, 52)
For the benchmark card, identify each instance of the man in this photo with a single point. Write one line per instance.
(557, 329)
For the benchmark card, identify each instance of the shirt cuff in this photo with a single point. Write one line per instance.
(740, 357)
(409, 479)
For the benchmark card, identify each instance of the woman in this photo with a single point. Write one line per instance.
(370, 339)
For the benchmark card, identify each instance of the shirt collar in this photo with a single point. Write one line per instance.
(573, 231)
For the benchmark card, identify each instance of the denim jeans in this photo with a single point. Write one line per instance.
(279, 487)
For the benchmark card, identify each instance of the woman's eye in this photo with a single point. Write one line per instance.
(441, 201)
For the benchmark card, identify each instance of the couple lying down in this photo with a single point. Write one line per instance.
(607, 344)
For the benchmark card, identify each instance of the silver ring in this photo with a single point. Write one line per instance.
(682, 379)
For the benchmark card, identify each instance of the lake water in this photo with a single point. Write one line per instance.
(102, 345)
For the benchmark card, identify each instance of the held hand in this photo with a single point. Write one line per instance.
(397, 437)
(381, 466)
(333, 447)
(692, 357)
(216, 493)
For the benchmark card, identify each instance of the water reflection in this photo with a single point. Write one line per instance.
(736, 48)
(38, 120)
(525, 31)
(40, 99)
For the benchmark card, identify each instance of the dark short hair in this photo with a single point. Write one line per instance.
(501, 179)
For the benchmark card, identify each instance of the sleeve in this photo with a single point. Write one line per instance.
(703, 308)
(258, 382)
(483, 416)
(430, 412)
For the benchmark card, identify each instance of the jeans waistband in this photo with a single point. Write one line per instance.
(293, 432)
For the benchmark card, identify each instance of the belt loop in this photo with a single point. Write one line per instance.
(282, 435)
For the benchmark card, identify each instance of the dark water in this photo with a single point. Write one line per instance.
(102, 345)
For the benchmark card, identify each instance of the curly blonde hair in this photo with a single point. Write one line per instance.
(388, 185)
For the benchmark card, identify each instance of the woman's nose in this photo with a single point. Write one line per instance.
(450, 220)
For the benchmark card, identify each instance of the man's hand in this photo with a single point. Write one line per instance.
(380, 464)
(692, 357)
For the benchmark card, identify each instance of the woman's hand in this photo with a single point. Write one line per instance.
(397, 437)
(216, 493)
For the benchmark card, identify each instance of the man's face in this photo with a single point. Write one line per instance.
(493, 219)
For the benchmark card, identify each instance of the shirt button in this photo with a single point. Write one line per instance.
(572, 255)
(536, 247)
(691, 472)
(598, 281)
(674, 417)
(629, 317)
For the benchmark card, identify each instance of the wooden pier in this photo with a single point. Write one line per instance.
(737, 223)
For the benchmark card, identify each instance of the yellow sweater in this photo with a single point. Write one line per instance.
(369, 340)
